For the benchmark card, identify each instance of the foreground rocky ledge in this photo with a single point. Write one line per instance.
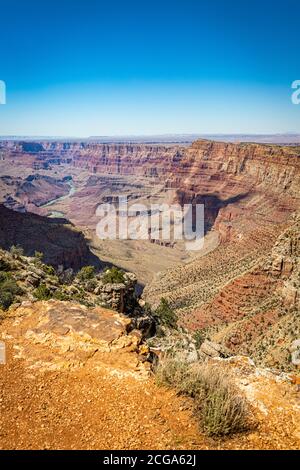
(53, 335)
(79, 378)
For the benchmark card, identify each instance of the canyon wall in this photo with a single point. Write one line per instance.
(206, 167)
(60, 243)
(204, 163)
(228, 178)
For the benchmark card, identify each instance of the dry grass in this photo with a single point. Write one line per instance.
(221, 409)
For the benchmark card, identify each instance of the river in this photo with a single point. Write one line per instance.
(59, 199)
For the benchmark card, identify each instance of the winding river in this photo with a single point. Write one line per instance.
(59, 199)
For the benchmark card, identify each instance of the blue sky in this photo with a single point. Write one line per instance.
(93, 67)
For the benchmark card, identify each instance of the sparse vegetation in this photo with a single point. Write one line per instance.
(6, 299)
(16, 251)
(199, 337)
(43, 282)
(38, 257)
(221, 409)
(4, 265)
(166, 315)
(60, 295)
(48, 270)
(42, 292)
(8, 290)
(86, 273)
(113, 276)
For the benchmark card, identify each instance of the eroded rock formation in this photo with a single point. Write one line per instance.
(250, 192)
(58, 240)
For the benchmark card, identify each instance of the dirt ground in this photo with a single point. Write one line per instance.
(88, 409)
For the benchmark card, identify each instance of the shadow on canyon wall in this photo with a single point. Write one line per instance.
(57, 239)
(212, 205)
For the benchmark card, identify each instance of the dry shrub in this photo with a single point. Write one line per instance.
(220, 407)
(171, 372)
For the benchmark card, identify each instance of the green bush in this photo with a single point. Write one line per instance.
(4, 265)
(48, 270)
(221, 409)
(4, 276)
(113, 276)
(199, 337)
(8, 290)
(166, 315)
(42, 292)
(59, 295)
(6, 299)
(10, 285)
(38, 257)
(86, 273)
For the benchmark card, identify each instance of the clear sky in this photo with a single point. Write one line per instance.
(93, 67)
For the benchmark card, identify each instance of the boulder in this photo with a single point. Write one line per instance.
(213, 350)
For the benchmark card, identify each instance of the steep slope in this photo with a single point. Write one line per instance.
(32, 191)
(58, 240)
(243, 295)
(258, 313)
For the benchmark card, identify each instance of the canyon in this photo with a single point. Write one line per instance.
(251, 197)
(82, 356)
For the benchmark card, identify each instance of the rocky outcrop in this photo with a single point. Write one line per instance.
(284, 265)
(25, 279)
(63, 335)
(208, 349)
(118, 296)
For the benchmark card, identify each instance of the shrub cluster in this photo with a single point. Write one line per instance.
(165, 315)
(86, 273)
(42, 292)
(199, 337)
(113, 276)
(221, 409)
(9, 289)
